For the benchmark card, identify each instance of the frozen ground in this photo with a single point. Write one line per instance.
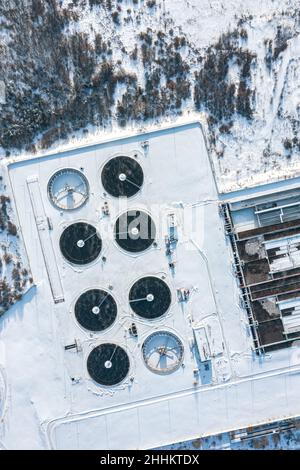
(15, 276)
(73, 72)
(60, 406)
(273, 436)
(254, 142)
(244, 150)
(262, 149)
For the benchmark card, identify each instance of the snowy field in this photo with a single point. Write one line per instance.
(50, 388)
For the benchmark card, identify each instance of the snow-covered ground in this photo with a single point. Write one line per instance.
(49, 388)
(271, 436)
(263, 149)
(254, 151)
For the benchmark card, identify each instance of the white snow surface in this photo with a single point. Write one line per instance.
(147, 410)
(35, 372)
(253, 152)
